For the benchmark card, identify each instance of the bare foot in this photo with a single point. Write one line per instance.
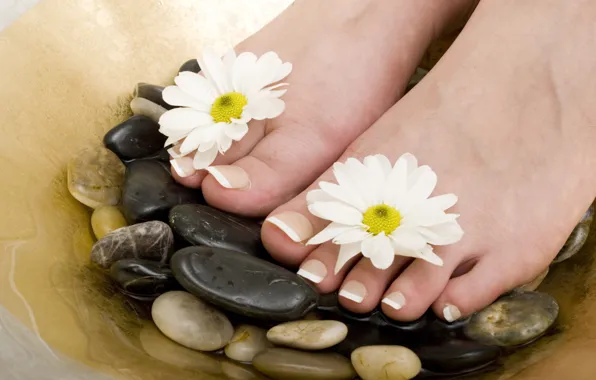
(352, 60)
(506, 120)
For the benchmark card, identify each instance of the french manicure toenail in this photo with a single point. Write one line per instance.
(313, 270)
(175, 152)
(183, 166)
(354, 291)
(396, 300)
(451, 313)
(230, 176)
(293, 224)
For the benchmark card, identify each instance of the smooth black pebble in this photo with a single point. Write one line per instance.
(190, 65)
(243, 284)
(143, 279)
(151, 92)
(457, 356)
(136, 137)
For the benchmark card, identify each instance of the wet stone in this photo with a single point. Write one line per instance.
(106, 219)
(513, 320)
(95, 177)
(288, 364)
(243, 284)
(457, 356)
(145, 107)
(136, 137)
(191, 65)
(143, 279)
(578, 237)
(308, 335)
(151, 92)
(150, 192)
(191, 322)
(237, 371)
(385, 363)
(150, 240)
(204, 225)
(246, 343)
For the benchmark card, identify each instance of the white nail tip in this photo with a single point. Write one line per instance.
(392, 303)
(179, 170)
(219, 177)
(285, 228)
(310, 276)
(451, 313)
(351, 296)
(173, 153)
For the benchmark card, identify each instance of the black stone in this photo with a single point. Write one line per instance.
(150, 192)
(143, 279)
(152, 92)
(190, 65)
(137, 137)
(161, 155)
(364, 334)
(457, 356)
(471, 374)
(243, 284)
(578, 237)
(204, 225)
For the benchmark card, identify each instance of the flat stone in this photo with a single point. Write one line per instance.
(535, 283)
(191, 65)
(106, 219)
(578, 237)
(136, 137)
(515, 319)
(150, 192)
(308, 335)
(150, 240)
(243, 284)
(457, 356)
(143, 279)
(160, 347)
(237, 371)
(151, 92)
(191, 322)
(246, 343)
(288, 364)
(145, 107)
(204, 225)
(385, 363)
(95, 177)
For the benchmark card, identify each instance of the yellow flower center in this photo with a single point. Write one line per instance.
(381, 218)
(227, 107)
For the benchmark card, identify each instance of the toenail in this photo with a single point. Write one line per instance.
(313, 270)
(293, 224)
(230, 176)
(451, 313)
(183, 166)
(354, 291)
(175, 151)
(396, 300)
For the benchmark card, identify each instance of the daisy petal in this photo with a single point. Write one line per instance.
(174, 96)
(243, 67)
(379, 250)
(343, 194)
(267, 70)
(424, 216)
(184, 120)
(346, 252)
(421, 184)
(261, 107)
(173, 139)
(283, 71)
(385, 164)
(351, 176)
(351, 236)
(213, 68)
(441, 202)
(224, 143)
(236, 131)
(411, 161)
(336, 212)
(328, 233)
(394, 192)
(198, 136)
(202, 160)
(427, 254)
(442, 234)
(376, 175)
(408, 238)
(318, 195)
(196, 86)
(203, 147)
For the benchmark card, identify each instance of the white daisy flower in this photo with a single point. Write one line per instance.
(383, 211)
(217, 104)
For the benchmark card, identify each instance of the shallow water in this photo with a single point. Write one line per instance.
(67, 72)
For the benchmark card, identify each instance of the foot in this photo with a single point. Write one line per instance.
(352, 60)
(506, 121)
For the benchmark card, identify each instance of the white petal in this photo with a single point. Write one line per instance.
(328, 233)
(352, 236)
(196, 86)
(202, 160)
(174, 96)
(394, 190)
(385, 164)
(203, 147)
(224, 143)
(267, 70)
(282, 71)
(236, 131)
(429, 255)
(421, 184)
(412, 162)
(228, 60)
(441, 202)
(423, 216)
(200, 135)
(379, 250)
(173, 139)
(184, 120)
(336, 212)
(261, 107)
(442, 234)
(350, 176)
(242, 71)
(318, 195)
(344, 194)
(376, 177)
(214, 69)
(408, 239)
(346, 252)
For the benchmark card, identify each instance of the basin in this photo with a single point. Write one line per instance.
(67, 71)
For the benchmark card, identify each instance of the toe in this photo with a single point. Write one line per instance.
(414, 290)
(318, 268)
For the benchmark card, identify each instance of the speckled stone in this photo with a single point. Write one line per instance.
(578, 237)
(515, 319)
(106, 219)
(246, 343)
(308, 335)
(243, 284)
(457, 356)
(150, 240)
(95, 177)
(145, 107)
(204, 225)
(191, 322)
(191, 65)
(143, 279)
(288, 364)
(136, 137)
(385, 363)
